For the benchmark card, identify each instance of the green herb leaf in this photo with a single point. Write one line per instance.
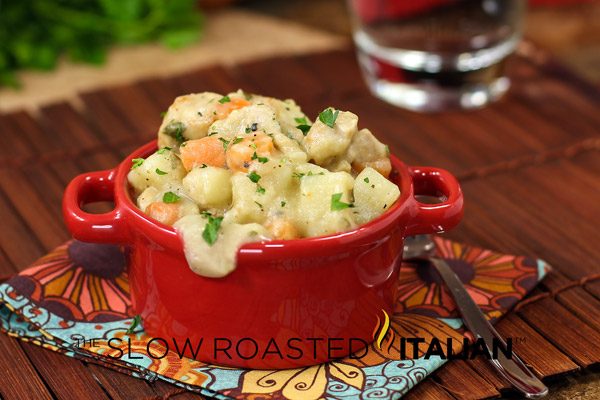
(237, 140)
(211, 230)
(136, 162)
(254, 177)
(261, 160)
(301, 121)
(304, 129)
(336, 204)
(161, 151)
(328, 117)
(224, 99)
(175, 129)
(137, 320)
(162, 114)
(298, 175)
(387, 150)
(159, 172)
(170, 197)
(283, 203)
(225, 142)
(260, 189)
(366, 179)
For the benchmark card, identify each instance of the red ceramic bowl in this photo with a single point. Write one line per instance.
(288, 303)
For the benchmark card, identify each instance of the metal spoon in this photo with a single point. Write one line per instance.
(422, 248)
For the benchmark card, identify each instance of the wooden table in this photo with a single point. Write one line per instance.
(529, 166)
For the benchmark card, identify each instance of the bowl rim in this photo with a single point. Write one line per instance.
(167, 237)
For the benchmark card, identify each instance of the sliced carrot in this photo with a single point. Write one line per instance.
(240, 155)
(207, 150)
(166, 213)
(383, 166)
(281, 228)
(224, 109)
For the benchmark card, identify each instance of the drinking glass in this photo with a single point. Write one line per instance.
(433, 55)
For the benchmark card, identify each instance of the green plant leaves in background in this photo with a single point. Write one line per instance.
(35, 33)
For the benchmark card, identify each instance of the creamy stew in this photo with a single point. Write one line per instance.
(243, 168)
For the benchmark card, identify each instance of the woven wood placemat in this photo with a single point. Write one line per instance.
(528, 164)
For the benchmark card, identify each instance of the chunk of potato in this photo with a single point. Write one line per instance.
(210, 187)
(365, 147)
(315, 215)
(287, 111)
(324, 143)
(373, 195)
(148, 196)
(290, 148)
(192, 113)
(253, 201)
(157, 170)
(247, 120)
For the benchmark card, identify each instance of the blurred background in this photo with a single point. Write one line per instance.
(49, 50)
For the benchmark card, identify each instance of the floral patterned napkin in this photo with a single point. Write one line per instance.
(80, 291)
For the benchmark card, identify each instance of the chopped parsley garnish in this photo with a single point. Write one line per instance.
(328, 117)
(175, 129)
(136, 321)
(301, 121)
(336, 204)
(225, 142)
(161, 151)
(136, 162)
(261, 160)
(387, 150)
(170, 197)
(283, 203)
(224, 99)
(205, 213)
(211, 230)
(203, 166)
(160, 172)
(366, 179)
(254, 177)
(237, 140)
(199, 113)
(248, 129)
(212, 133)
(309, 173)
(162, 114)
(304, 129)
(260, 189)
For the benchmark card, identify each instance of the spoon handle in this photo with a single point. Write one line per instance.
(513, 369)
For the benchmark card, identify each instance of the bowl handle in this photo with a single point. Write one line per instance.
(438, 217)
(109, 227)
